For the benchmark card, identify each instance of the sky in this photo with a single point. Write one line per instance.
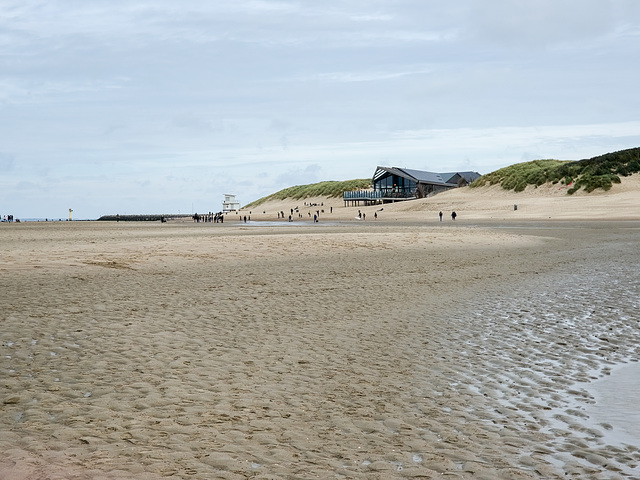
(163, 107)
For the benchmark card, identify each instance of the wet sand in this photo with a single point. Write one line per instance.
(379, 350)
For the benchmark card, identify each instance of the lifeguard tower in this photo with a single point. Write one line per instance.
(229, 204)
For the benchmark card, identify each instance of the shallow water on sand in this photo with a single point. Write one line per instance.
(616, 405)
(555, 358)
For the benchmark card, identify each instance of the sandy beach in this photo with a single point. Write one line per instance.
(401, 347)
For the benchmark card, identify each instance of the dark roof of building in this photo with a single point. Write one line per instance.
(426, 177)
(421, 176)
(416, 175)
(468, 176)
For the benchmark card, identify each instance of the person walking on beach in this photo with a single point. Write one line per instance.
(440, 216)
(453, 216)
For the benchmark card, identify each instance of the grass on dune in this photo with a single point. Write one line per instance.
(597, 172)
(590, 174)
(331, 189)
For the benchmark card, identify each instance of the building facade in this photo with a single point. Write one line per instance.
(404, 184)
(230, 204)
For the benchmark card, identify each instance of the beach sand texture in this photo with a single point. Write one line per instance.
(360, 350)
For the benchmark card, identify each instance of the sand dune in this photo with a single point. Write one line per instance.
(492, 203)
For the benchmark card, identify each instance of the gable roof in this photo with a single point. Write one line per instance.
(468, 176)
(418, 176)
(421, 176)
(424, 177)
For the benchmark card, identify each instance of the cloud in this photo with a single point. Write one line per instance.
(372, 18)
(7, 162)
(521, 23)
(301, 176)
(368, 76)
(195, 123)
(103, 101)
(279, 124)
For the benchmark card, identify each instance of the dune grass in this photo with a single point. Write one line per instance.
(331, 189)
(597, 172)
(593, 173)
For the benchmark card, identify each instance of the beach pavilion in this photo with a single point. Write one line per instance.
(392, 184)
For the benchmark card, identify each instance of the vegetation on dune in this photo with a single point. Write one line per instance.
(331, 189)
(517, 177)
(597, 172)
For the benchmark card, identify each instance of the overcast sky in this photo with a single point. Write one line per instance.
(164, 106)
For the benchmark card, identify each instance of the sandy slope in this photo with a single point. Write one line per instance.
(486, 203)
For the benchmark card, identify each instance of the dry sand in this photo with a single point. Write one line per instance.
(401, 348)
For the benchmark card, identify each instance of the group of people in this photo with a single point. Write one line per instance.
(316, 215)
(453, 215)
(7, 218)
(219, 217)
(209, 217)
(363, 216)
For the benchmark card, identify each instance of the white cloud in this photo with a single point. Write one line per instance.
(103, 101)
(541, 23)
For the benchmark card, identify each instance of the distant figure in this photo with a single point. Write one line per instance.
(245, 219)
(453, 216)
(315, 218)
(440, 216)
(331, 209)
(364, 216)
(375, 215)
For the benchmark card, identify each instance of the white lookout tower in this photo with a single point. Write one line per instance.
(230, 204)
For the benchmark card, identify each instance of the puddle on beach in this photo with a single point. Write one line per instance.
(616, 405)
